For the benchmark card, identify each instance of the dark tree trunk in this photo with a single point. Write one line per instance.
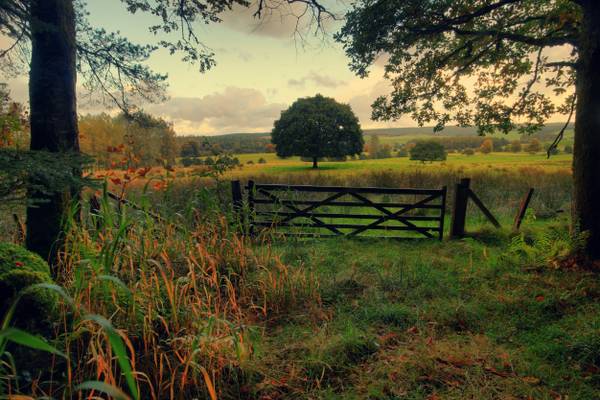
(315, 162)
(586, 158)
(52, 83)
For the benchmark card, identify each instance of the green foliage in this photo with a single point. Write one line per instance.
(432, 49)
(428, 151)
(190, 149)
(43, 172)
(317, 127)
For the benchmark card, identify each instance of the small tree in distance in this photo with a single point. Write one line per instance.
(534, 146)
(317, 127)
(428, 151)
(487, 146)
(515, 146)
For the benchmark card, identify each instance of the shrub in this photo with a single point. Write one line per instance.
(468, 152)
(515, 146)
(487, 146)
(428, 151)
(534, 146)
(568, 149)
(402, 153)
(262, 161)
(362, 156)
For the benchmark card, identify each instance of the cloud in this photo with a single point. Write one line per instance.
(232, 110)
(316, 79)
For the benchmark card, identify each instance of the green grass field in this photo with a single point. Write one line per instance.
(275, 164)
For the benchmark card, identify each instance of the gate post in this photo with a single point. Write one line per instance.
(459, 209)
(238, 202)
(251, 207)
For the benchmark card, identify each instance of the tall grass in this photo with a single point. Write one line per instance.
(182, 297)
(501, 189)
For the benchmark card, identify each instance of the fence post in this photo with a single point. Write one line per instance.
(251, 207)
(459, 210)
(522, 209)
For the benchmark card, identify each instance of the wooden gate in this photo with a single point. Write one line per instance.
(302, 210)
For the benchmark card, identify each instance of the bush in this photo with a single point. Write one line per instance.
(487, 146)
(428, 151)
(262, 161)
(469, 152)
(515, 146)
(568, 149)
(534, 146)
(402, 153)
(362, 156)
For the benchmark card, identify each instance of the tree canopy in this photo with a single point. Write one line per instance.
(428, 151)
(316, 127)
(498, 65)
(431, 47)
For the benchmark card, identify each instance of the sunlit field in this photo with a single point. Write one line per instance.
(497, 161)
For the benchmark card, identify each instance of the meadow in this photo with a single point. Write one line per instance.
(185, 307)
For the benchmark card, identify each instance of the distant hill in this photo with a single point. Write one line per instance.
(257, 142)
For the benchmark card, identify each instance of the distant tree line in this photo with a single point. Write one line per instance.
(242, 143)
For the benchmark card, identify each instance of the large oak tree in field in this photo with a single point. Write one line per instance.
(55, 42)
(498, 65)
(317, 127)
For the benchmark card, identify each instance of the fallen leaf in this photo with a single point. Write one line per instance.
(531, 380)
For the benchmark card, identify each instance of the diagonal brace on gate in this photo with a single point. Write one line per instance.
(305, 212)
(397, 216)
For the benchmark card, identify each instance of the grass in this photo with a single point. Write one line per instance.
(205, 313)
(494, 160)
(463, 319)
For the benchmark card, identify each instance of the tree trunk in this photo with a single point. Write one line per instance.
(586, 158)
(315, 164)
(52, 82)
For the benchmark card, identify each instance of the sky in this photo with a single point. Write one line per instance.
(262, 67)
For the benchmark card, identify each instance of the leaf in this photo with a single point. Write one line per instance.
(28, 340)
(209, 384)
(119, 348)
(531, 380)
(116, 281)
(105, 388)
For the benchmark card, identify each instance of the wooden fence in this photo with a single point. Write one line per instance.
(302, 210)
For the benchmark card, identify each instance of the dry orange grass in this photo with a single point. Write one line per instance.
(182, 301)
